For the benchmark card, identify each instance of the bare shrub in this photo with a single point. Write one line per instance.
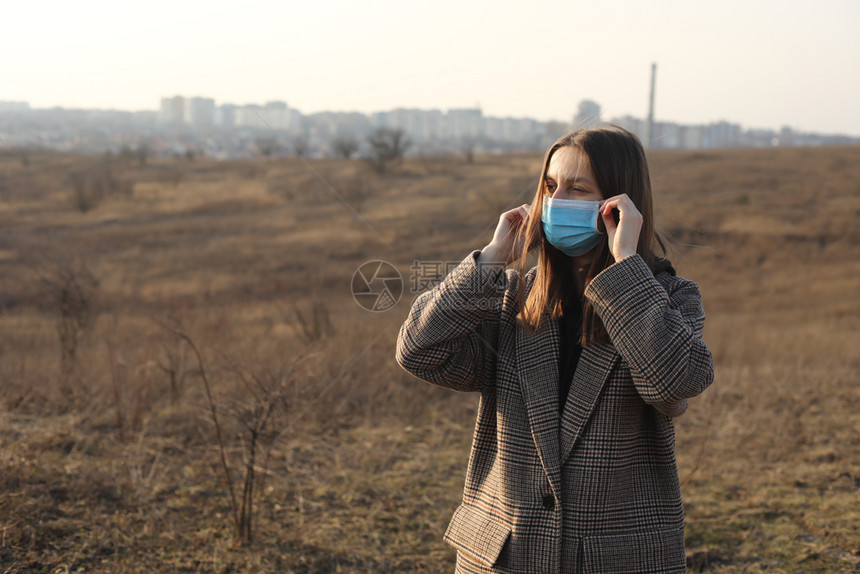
(96, 182)
(356, 189)
(344, 146)
(8, 301)
(266, 145)
(84, 196)
(280, 185)
(387, 147)
(468, 147)
(130, 383)
(138, 154)
(313, 325)
(72, 289)
(301, 146)
(173, 363)
(146, 469)
(142, 154)
(264, 398)
(173, 175)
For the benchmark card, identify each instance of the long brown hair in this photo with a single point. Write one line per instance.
(618, 162)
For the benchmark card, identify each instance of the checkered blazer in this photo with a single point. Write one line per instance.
(595, 488)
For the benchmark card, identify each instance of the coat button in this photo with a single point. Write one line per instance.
(549, 501)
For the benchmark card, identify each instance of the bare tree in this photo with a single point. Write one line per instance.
(300, 145)
(96, 182)
(387, 146)
(143, 153)
(468, 146)
(266, 145)
(138, 154)
(265, 393)
(344, 146)
(174, 364)
(72, 289)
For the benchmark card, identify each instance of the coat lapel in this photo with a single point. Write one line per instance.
(537, 363)
(595, 364)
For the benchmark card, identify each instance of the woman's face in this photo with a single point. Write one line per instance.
(569, 176)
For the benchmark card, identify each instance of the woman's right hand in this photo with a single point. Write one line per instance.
(507, 244)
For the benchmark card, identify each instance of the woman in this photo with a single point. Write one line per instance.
(580, 362)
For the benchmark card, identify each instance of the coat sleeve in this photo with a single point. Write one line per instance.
(657, 330)
(451, 333)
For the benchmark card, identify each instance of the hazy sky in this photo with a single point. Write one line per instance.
(759, 63)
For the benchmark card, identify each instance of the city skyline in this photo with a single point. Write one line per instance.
(761, 64)
(196, 126)
(267, 107)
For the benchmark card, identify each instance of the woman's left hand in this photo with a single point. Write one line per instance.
(624, 235)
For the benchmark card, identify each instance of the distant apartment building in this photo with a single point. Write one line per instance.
(418, 125)
(14, 107)
(172, 111)
(692, 137)
(722, 134)
(199, 112)
(587, 114)
(631, 124)
(247, 116)
(463, 124)
(512, 130)
(337, 124)
(225, 115)
(667, 135)
(670, 135)
(274, 115)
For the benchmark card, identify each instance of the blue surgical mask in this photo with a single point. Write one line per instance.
(570, 225)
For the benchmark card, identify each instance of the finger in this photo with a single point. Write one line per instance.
(607, 206)
(609, 222)
(620, 202)
(515, 212)
(617, 202)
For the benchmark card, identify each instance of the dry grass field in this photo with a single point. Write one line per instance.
(110, 270)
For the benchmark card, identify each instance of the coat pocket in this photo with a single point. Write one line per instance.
(473, 532)
(661, 551)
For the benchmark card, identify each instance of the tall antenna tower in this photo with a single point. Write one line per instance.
(649, 129)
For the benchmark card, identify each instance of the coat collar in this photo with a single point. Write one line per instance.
(595, 364)
(537, 365)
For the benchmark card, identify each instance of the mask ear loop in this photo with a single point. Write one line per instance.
(598, 221)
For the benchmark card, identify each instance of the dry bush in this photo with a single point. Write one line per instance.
(98, 181)
(344, 146)
(173, 362)
(300, 145)
(72, 291)
(312, 325)
(387, 147)
(173, 174)
(136, 381)
(266, 145)
(261, 405)
(280, 186)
